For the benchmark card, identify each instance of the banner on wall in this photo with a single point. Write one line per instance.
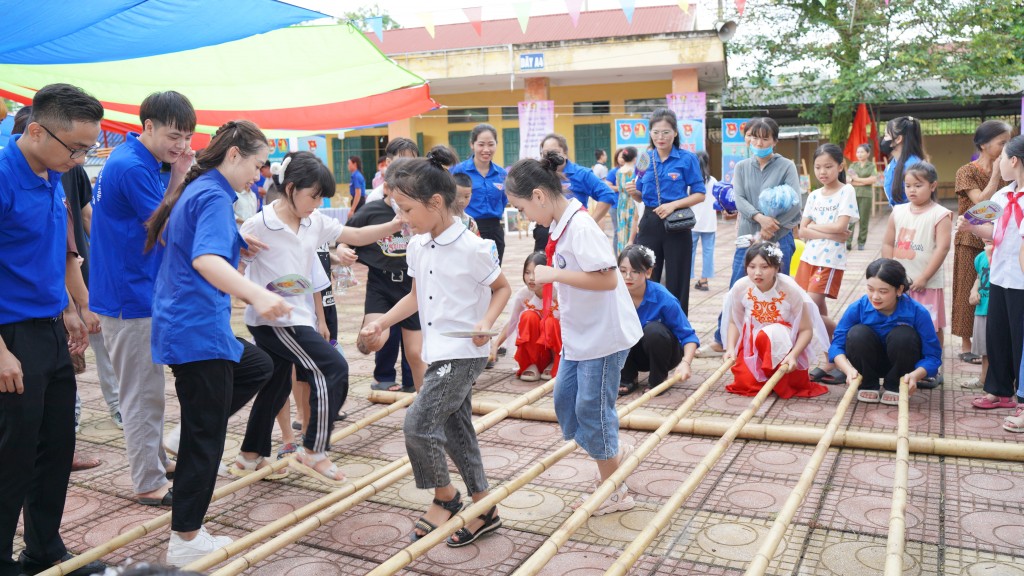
(734, 147)
(536, 120)
(318, 146)
(690, 105)
(278, 149)
(691, 135)
(631, 132)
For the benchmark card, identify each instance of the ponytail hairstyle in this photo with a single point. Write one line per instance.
(528, 174)
(629, 154)
(836, 154)
(358, 162)
(241, 134)
(421, 178)
(301, 170)
(641, 258)
(913, 145)
(770, 251)
(927, 172)
(446, 155)
(705, 165)
(889, 271)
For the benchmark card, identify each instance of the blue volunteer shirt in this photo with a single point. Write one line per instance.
(583, 184)
(612, 177)
(489, 198)
(33, 240)
(678, 176)
(357, 182)
(661, 305)
(890, 173)
(127, 192)
(908, 313)
(191, 318)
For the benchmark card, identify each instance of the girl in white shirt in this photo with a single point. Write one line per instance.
(705, 230)
(292, 228)
(457, 287)
(599, 322)
(539, 336)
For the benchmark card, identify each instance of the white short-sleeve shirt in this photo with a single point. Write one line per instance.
(453, 273)
(1004, 269)
(595, 323)
(822, 209)
(288, 253)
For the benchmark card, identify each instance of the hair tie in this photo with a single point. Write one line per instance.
(773, 250)
(278, 169)
(436, 162)
(648, 253)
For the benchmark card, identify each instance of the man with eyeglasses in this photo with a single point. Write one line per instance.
(127, 191)
(37, 380)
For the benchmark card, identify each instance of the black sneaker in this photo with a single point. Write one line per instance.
(31, 567)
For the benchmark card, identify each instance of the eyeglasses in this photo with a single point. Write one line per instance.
(630, 273)
(76, 153)
(660, 133)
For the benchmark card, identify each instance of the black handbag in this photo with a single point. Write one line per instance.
(680, 220)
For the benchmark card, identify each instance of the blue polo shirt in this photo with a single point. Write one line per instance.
(907, 313)
(33, 240)
(679, 176)
(357, 182)
(661, 305)
(127, 192)
(890, 173)
(583, 184)
(613, 176)
(489, 198)
(191, 318)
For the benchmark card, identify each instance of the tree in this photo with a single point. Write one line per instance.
(833, 54)
(359, 17)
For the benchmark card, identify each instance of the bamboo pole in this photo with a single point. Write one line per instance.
(951, 447)
(897, 540)
(162, 520)
(764, 554)
(406, 556)
(661, 520)
(377, 482)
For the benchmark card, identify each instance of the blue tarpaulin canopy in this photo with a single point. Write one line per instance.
(63, 32)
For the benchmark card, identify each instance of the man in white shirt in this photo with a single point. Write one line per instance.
(600, 169)
(245, 206)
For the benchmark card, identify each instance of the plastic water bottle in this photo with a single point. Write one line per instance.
(345, 279)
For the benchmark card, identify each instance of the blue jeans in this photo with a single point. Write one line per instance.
(786, 244)
(707, 259)
(585, 395)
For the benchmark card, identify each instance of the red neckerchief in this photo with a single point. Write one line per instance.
(1013, 210)
(549, 251)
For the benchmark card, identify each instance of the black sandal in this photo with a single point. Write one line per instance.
(630, 387)
(491, 523)
(453, 507)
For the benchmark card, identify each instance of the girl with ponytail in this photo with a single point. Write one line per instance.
(459, 291)
(598, 320)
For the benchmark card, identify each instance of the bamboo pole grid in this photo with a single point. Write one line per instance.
(897, 541)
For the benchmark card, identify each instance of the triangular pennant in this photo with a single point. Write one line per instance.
(627, 7)
(574, 11)
(822, 2)
(684, 5)
(741, 4)
(523, 14)
(428, 22)
(377, 25)
(475, 16)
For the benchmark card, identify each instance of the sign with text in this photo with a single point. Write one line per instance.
(631, 132)
(734, 146)
(529, 62)
(536, 120)
(689, 105)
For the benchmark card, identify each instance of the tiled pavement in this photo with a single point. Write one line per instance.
(964, 516)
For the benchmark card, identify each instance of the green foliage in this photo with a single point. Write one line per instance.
(829, 55)
(358, 17)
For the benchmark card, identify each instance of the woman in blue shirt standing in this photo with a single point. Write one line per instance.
(357, 186)
(902, 142)
(487, 204)
(886, 336)
(668, 338)
(673, 181)
(192, 321)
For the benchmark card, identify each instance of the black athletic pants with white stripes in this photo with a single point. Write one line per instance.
(316, 362)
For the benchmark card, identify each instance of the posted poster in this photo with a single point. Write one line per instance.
(689, 105)
(536, 120)
(318, 146)
(734, 147)
(691, 134)
(278, 149)
(631, 132)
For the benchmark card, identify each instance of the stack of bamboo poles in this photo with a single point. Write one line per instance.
(766, 552)
(164, 519)
(898, 516)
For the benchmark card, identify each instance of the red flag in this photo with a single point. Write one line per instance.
(740, 5)
(858, 133)
(475, 18)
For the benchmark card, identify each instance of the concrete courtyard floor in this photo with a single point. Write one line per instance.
(965, 516)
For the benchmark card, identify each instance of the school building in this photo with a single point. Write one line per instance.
(602, 69)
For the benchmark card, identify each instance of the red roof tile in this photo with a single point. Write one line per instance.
(551, 28)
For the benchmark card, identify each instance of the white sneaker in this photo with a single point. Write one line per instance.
(619, 501)
(183, 552)
(173, 440)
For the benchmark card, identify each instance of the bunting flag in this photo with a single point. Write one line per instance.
(574, 7)
(627, 8)
(475, 16)
(427, 18)
(377, 25)
(523, 14)
(684, 5)
(741, 4)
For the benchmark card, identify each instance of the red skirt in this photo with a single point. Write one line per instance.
(539, 342)
(795, 383)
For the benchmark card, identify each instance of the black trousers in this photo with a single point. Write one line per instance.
(490, 229)
(37, 441)
(657, 352)
(209, 392)
(540, 237)
(889, 361)
(672, 252)
(316, 362)
(1005, 337)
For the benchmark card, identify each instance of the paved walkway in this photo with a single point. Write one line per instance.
(964, 515)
